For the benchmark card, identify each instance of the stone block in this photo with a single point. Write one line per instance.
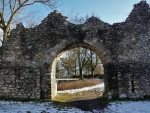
(1, 82)
(11, 59)
(110, 93)
(123, 96)
(21, 77)
(110, 97)
(6, 91)
(4, 88)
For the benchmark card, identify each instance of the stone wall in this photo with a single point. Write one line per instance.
(28, 60)
(133, 53)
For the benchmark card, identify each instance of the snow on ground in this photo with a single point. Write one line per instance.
(33, 107)
(100, 86)
(128, 107)
(49, 107)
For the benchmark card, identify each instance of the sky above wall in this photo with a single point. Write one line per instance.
(109, 11)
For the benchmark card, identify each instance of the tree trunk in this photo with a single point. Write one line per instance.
(92, 73)
(4, 38)
(75, 72)
(81, 75)
(93, 65)
(6, 33)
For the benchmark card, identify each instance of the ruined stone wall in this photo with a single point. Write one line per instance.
(27, 61)
(133, 54)
(18, 79)
(36, 49)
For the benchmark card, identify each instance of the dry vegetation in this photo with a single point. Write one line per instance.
(77, 84)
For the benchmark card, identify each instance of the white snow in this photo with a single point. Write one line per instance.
(49, 107)
(128, 107)
(33, 107)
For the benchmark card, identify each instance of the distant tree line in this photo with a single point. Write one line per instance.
(79, 63)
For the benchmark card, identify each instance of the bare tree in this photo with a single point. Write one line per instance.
(82, 57)
(31, 20)
(79, 61)
(93, 63)
(78, 20)
(67, 64)
(10, 8)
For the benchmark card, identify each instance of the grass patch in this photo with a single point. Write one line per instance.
(77, 84)
(65, 97)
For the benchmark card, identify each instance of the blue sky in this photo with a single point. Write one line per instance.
(110, 11)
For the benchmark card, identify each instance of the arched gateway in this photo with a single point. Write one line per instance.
(27, 61)
(99, 53)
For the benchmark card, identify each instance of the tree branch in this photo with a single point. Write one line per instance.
(2, 8)
(2, 22)
(14, 13)
(95, 63)
(19, 2)
(15, 2)
(10, 6)
(47, 2)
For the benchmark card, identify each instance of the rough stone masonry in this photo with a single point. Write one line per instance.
(28, 59)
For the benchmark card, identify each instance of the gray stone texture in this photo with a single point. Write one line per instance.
(28, 59)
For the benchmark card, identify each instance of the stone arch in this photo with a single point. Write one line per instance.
(104, 59)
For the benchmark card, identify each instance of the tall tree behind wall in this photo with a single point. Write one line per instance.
(9, 9)
(79, 61)
(82, 57)
(67, 63)
(93, 62)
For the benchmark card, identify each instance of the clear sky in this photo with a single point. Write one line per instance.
(110, 11)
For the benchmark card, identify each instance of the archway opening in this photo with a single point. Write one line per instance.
(75, 63)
